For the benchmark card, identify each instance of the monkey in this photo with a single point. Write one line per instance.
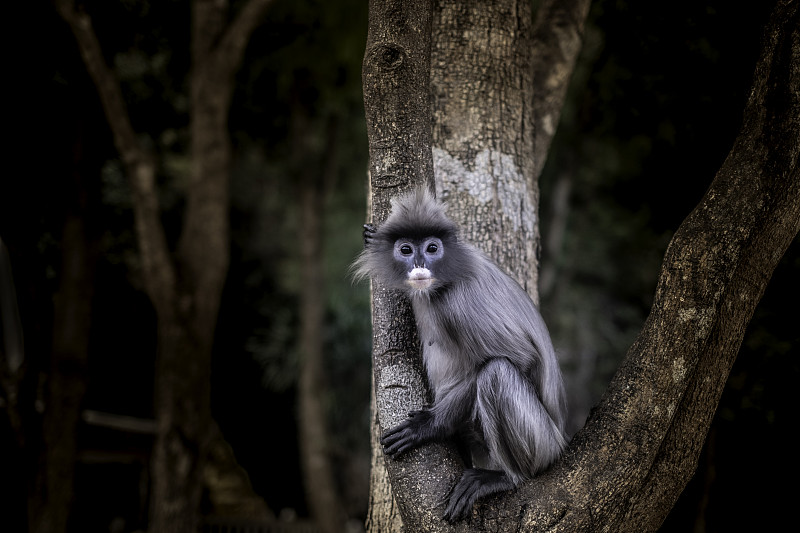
(495, 379)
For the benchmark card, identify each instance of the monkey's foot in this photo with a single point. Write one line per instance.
(476, 483)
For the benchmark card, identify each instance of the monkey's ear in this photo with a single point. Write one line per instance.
(369, 234)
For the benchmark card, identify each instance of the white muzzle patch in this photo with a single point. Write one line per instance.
(420, 278)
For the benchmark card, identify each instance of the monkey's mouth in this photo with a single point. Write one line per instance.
(420, 278)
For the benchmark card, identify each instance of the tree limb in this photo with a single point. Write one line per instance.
(626, 468)
(234, 40)
(557, 42)
(159, 275)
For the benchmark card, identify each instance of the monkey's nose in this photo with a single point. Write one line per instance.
(420, 278)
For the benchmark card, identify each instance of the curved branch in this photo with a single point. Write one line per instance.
(557, 41)
(159, 275)
(237, 35)
(641, 443)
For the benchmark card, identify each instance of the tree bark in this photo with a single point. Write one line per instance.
(482, 88)
(480, 93)
(185, 289)
(396, 73)
(625, 469)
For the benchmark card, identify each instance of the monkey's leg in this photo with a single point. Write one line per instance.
(475, 483)
(521, 437)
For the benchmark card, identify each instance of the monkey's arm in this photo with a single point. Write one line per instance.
(440, 421)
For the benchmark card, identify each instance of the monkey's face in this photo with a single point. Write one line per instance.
(419, 260)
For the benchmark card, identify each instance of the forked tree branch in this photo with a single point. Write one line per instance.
(626, 468)
(139, 163)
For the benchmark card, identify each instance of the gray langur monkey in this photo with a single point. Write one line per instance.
(490, 363)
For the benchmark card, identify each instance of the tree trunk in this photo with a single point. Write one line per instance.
(482, 87)
(482, 143)
(625, 469)
(396, 73)
(319, 480)
(66, 381)
(185, 289)
(313, 395)
(12, 437)
(557, 41)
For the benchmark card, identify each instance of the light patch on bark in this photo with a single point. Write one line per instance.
(548, 124)
(702, 319)
(491, 175)
(678, 369)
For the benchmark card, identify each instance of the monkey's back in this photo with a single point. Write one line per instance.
(486, 315)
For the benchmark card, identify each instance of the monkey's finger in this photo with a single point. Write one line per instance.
(369, 234)
(460, 504)
(399, 444)
(395, 430)
(393, 435)
(395, 446)
(399, 449)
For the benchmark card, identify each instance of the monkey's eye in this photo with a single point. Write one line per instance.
(406, 249)
(432, 248)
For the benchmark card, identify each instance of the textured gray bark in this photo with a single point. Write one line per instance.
(626, 468)
(482, 88)
(396, 74)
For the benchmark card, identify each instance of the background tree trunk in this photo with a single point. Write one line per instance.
(185, 288)
(67, 381)
(316, 182)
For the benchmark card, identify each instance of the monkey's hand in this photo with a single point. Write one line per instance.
(369, 234)
(415, 430)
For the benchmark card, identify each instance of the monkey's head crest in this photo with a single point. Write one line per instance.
(414, 215)
(418, 214)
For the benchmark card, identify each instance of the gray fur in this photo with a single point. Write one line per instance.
(488, 355)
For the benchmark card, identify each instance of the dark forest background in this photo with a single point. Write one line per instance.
(653, 109)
